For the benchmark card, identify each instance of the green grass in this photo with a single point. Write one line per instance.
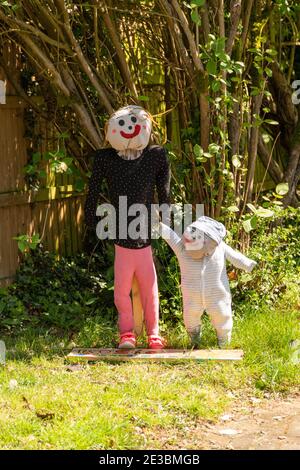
(139, 405)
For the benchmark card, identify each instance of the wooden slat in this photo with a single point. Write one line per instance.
(13, 198)
(92, 354)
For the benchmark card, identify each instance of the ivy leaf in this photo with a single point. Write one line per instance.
(198, 150)
(36, 157)
(282, 189)
(214, 148)
(79, 185)
(262, 212)
(271, 52)
(250, 224)
(216, 85)
(236, 161)
(195, 17)
(143, 98)
(197, 3)
(211, 67)
(233, 209)
(22, 245)
(272, 122)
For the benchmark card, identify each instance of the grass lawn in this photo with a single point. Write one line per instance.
(46, 403)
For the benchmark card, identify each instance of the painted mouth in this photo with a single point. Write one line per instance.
(187, 240)
(136, 132)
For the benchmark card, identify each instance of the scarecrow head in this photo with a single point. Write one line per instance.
(129, 128)
(202, 237)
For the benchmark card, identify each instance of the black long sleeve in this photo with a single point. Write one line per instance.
(163, 178)
(136, 179)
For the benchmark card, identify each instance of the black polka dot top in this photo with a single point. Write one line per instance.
(137, 179)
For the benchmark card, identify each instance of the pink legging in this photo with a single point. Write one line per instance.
(139, 262)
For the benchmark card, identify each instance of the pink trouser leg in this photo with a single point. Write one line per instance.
(139, 262)
(147, 279)
(123, 275)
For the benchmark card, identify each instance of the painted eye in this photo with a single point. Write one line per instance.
(133, 119)
(121, 122)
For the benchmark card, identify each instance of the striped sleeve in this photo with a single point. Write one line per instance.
(173, 240)
(238, 259)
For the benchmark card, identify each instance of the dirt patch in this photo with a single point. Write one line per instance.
(266, 424)
(254, 424)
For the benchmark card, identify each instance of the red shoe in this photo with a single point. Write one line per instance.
(127, 341)
(156, 342)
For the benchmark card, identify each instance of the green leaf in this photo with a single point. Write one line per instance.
(271, 121)
(214, 148)
(255, 91)
(233, 209)
(262, 212)
(216, 85)
(271, 52)
(250, 224)
(211, 67)
(268, 72)
(35, 238)
(282, 189)
(36, 157)
(195, 17)
(236, 161)
(198, 150)
(143, 98)
(91, 301)
(22, 245)
(197, 3)
(79, 185)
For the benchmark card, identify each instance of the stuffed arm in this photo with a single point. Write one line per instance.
(163, 177)
(238, 259)
(173, 240)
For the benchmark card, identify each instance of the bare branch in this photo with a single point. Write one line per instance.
(235, 14)
(124, 69)
(80, 56)
(193, 47)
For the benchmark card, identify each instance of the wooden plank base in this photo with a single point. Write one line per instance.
(91, 354)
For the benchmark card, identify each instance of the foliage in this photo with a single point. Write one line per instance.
(275, 247)
(218, 76)
(55, 405)
(60, 293)
(67, 293)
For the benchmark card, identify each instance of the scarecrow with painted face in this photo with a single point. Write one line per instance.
(202, 256)
(133, 170)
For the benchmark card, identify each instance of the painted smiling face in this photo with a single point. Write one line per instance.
(129, 128)
(197, 243)
(202, 237)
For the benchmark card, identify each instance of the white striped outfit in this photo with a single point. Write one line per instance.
(205, 284)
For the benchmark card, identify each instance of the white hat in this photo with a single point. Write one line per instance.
(215, 230)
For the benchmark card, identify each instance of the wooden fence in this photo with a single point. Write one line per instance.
(55, 211)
